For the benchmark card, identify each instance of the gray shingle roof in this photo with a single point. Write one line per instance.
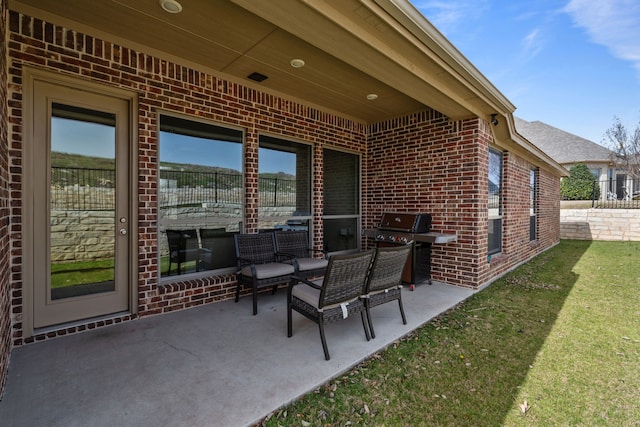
(561, 146)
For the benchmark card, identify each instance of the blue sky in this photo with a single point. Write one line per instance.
(573, 64)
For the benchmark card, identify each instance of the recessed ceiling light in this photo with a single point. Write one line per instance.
(297, 63)
(372, 97)
(171, 6)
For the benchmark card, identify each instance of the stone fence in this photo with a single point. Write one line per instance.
(89, 235)
(600, 224)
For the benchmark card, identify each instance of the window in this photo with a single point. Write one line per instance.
(341, 219)
(533, 203)
(284, 184)
(495, 201)
(200, 195)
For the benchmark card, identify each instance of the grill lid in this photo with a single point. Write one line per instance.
(407, 222)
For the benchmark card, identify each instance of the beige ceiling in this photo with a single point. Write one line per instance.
(350, 48)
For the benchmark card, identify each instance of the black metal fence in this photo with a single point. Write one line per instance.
(616, 194)
(78, 189)
(94, 189)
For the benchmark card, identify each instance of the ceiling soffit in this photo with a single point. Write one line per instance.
(349, 51)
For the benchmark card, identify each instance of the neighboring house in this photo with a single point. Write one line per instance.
(569, 149)
(179, 110)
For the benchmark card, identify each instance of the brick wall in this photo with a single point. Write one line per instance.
(5, 290)
(425, 163)
(165, 86)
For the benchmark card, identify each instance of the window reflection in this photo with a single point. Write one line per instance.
(200, 195)
(284, 185)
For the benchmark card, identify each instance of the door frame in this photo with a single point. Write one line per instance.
(30, 76)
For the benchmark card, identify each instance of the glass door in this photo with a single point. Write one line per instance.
(81, 208)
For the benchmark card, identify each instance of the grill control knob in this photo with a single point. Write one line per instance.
(404, 240)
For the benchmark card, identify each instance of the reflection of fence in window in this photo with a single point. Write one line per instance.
(188, 188)
(276, 192)
(94, 189)
(82, 189)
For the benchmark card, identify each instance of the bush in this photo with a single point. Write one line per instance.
(579, 185)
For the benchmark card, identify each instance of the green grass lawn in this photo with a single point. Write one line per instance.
(555, 342)
(79, 273)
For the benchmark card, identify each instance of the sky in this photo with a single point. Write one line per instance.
(572, 64)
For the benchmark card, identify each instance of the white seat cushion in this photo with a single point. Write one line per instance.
(307, 294)
(266, 271)
(306, 264)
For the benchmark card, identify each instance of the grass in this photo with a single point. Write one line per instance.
(79, 273)
(555, 342)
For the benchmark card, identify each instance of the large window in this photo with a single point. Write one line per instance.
(341, 200)
(533, 203)
(495, 201)
(284, 185)
(200, 195)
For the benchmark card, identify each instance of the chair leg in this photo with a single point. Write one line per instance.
(274, 289)
(289, 316)
(364, 317)
(368, 310)
(255, 299)
(238, 291)
(322, 338)
(404, 318)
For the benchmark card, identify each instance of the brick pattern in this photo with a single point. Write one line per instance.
(425, 163)
(5, 284)
(165, 86)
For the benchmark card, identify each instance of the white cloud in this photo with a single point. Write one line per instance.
(614, 24)
(532, 43)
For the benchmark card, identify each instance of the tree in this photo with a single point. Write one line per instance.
(625, 147)
(580, 184)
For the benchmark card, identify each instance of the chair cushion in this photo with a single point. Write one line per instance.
(307, 294)
(266, 271)
(306, 264)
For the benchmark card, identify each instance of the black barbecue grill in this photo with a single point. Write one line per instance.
(414, 229)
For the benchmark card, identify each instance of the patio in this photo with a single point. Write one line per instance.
(215, 365)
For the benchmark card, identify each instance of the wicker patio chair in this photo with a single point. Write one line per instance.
(222, 246)
(332, 298)
(184, 247)
(384, 283)
(258, 266)
(295, 245)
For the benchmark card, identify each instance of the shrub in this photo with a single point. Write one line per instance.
(579, 185)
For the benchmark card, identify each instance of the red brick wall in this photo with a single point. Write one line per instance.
(425, 163)
(165, 86)
(5, 290)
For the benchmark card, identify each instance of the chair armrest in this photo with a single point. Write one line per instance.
(243, 262)
(296, 280)
(284, 255)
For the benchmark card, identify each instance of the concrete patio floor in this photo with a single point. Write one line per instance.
(215, 365)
